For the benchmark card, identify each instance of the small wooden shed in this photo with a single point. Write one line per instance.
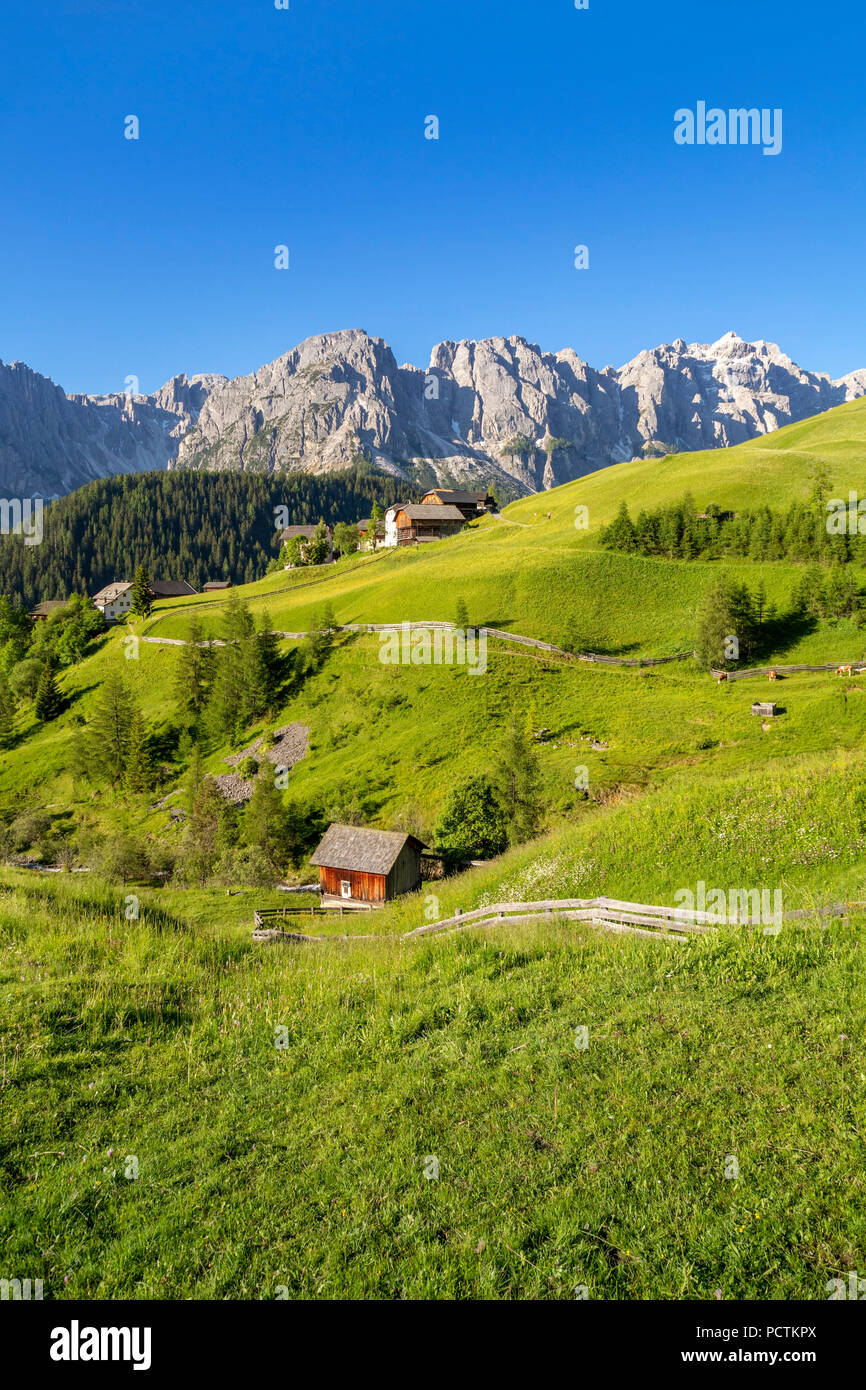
(360, 867)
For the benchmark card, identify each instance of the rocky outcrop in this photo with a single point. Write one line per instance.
(51, 443)
(495, 411)
(499, 409)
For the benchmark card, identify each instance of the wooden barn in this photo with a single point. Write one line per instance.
(416, 523)
(359, 867)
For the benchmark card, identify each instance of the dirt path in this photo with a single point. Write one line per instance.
(433, 625)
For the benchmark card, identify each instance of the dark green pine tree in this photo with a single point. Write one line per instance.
(620, 535)
(726, 626)
(236, 692)
(329, 619)
(138, 768)
(49, 701)
(518, 785)
(142, 603)
(7, 709)
(208, 830)
(271, 665)
(193, 673)
(109, 732)
(194, 778)
(272, 826)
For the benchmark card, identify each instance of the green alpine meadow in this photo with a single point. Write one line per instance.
(250, 1049)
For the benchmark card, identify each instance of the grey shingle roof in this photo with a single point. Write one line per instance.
(170, 588)
(432, 511)
(456, 496)
(355, 847)
(48, 605)
(112, 591)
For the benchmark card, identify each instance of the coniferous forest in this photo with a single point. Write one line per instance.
(179, 525)
(678, 531)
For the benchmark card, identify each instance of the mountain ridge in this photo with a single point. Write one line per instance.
(493, 410)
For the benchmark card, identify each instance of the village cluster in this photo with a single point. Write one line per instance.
(442, 512)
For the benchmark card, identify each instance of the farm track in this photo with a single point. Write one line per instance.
(433, 626)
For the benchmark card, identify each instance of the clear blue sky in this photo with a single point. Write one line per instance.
(306, 127)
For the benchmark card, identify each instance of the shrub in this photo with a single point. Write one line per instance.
(125, 857)
(28, 830)
(472, 821)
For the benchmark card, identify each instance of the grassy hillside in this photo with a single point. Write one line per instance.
(187, 1116)
(547, 578)
(526, 574)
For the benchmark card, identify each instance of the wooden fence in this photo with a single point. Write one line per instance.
(674, 924)
(857, 669)
(433, 625)
(263, 915)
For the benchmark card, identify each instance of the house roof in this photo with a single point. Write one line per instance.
(396, 507)
(170, 588)
(218, 584)
(456, 497)
(431, 511)
(47, 606)
(366, 851)
(305, 532)
(112, 591)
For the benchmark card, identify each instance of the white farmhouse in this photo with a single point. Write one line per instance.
(114, 601)
(390, 537)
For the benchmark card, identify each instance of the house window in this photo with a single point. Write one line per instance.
(345, 888)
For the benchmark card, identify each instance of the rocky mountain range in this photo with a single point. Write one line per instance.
(497, 410)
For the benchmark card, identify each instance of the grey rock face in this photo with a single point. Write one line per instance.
(495, 410)
(51, 443)
(341, 396)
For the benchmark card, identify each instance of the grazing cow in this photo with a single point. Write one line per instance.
(722, 676)
(771, 675)
(844, 671)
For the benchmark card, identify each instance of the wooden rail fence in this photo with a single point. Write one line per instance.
(857, 669)
(432, 625)
(263, 915)
(674, 924)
